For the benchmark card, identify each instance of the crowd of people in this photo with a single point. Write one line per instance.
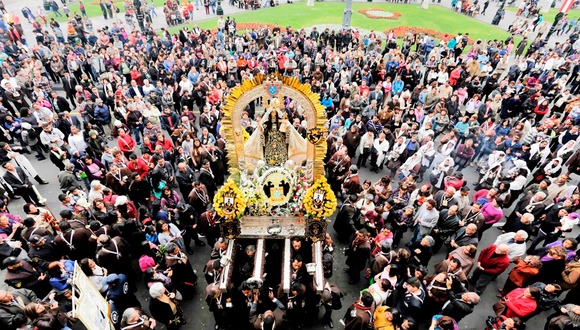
(139, 166)
(530, 17)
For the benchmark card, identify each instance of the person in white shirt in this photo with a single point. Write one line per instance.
(51, 135)
(516, 243)
(185, 85)
(77, 140)
(147, 87)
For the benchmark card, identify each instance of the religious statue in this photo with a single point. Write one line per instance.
(275, 140)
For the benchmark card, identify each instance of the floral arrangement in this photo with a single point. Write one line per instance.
(302, 185)
(257, 205)
(320, 201)
(374, 13)
(230, 212)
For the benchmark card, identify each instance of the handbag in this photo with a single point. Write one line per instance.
(499, 307)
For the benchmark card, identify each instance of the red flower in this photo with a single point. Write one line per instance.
(401, 31)
(367, 13)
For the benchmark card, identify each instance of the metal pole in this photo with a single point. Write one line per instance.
(347, 15)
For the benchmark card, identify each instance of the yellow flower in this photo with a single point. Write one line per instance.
(230, 188)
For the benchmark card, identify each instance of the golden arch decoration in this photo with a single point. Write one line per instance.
(252, 89)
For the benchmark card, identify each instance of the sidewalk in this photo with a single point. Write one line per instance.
(100, 22)
(199, 15)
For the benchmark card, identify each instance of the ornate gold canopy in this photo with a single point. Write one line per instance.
(274, 85)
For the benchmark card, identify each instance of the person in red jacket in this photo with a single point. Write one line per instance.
(521, 302)
(492, 261)
(541, 110)
(125, 143)
(138, 165)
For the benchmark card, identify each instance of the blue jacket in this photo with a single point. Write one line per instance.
(103, 114)
(327, 102)
(62, 283)
(398, 86)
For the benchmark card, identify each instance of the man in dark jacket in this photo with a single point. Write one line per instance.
(102, 115)
(12, 303)
(20, 183)
(447, 225)
(358, 254)
(411, 302)
(76, 243)
(360, 314)
(344, 222)
(207, 177)
(21, 274)
(459, 305)
(185, 178)
(464, 236)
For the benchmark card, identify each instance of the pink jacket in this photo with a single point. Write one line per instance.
(491, 214)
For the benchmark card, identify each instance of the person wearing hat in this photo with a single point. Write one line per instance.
(21, 274)
(42, 251)
(125, 207)
(20, 184)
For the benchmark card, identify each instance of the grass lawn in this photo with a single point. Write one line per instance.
(92, 8)
(298, 15)
(549, 16)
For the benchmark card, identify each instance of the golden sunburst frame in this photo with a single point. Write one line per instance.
(259, 86)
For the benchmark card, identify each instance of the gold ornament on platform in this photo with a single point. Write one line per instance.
(229, 201)
(320, 201)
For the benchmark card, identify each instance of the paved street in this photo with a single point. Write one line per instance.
(196, 310)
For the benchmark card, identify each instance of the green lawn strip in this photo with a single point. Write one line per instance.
(299, 15)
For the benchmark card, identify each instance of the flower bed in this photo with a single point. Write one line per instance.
(378, 13)
(401, 31)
